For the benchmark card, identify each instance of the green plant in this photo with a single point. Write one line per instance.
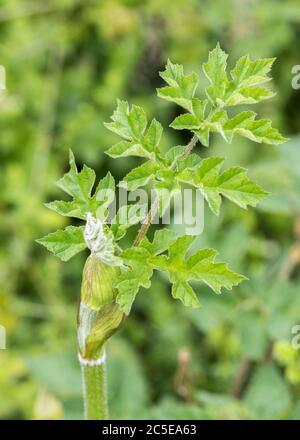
(112, 276)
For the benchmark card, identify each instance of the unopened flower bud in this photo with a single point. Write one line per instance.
(99, 315)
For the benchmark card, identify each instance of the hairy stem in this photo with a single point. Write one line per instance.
(94, 391)
(154, 207)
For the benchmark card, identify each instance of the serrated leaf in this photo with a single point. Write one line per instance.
(137, 276)
(67, 209)
(104, 186)
(139, 176)
(215, 71)
(247, 76)
(199, 107)
(125, 149)
(191, 121)
(215, 275)
(131, 124)
(120, 124)
(232, 184)
(186, 121)
(216, 121)
(200, 266)
(137, 122)
(152, 138)
(120, 149)
(183, 291)
(247, 73)
(79, 185)
(250, 95)
(246, 124)
(127, 123)
(173, 74)
(176, 159)
(65, 243)
(181, 88)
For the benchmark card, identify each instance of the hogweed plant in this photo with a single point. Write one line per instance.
(112, 276)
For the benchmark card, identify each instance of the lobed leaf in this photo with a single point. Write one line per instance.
(140, 176)
(245, 85)
(247, 73)
(215, 71)
(232, 184)
(258, 130)
(65, 243)
(200, 266)
(79, 185)
(131, 125)
(181, 89)
(139, 275)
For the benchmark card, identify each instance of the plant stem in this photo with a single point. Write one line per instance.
(94, 391)
(94, 376)
(188, 148)
(154, 207)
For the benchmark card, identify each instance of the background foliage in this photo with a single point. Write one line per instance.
(66, 63)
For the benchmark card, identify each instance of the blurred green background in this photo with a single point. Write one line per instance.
(66, 63)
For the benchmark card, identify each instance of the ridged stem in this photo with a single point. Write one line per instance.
(94, 391)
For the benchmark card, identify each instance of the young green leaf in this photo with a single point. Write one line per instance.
(215, 71)
(232, 184)
(130, 281)
(246, 125)
(140, 176)
(105, 185)
(186, 121)
(200, 266)
(247, 73)
(245, 86)
(247, 77)
(67, 209)
(152, 137)
(131, 125)
(137, 122)
(140, 272)
(249, 95)
(181, 89)
(120, 123)
(65, 243)
(79, 185)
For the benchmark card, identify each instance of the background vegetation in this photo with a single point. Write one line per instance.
(66, 63)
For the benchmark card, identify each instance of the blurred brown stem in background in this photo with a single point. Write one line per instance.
(285, 273)
(183, 379)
